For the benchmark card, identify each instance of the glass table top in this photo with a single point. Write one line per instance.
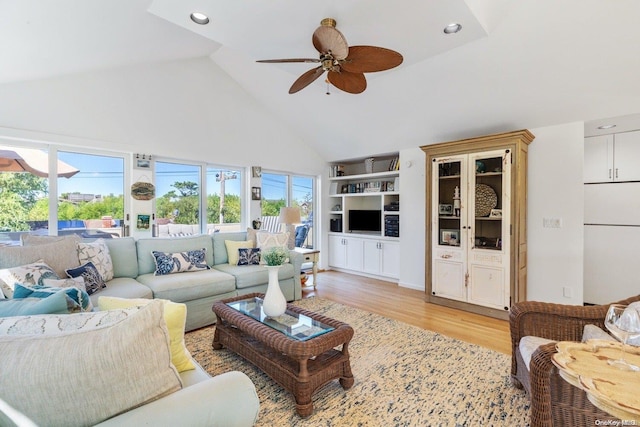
(294, 325)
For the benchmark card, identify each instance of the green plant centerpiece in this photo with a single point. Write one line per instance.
(277, 255)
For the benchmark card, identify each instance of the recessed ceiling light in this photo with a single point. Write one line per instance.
(452, 28)
(199, 18)
(606, 126)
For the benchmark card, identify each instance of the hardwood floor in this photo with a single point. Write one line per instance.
(408, 305)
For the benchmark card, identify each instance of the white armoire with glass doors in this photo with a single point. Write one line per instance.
(476, 222)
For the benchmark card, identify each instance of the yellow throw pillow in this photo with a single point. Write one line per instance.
(232, 249)
(175, 316)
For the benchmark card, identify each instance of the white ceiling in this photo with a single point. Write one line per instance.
(516, 64)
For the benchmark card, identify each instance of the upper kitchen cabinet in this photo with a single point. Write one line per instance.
(612, 158)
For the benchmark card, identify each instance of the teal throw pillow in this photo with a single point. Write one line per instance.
(80, 298)
(57, 303)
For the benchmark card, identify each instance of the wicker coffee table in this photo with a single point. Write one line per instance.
(301, 358)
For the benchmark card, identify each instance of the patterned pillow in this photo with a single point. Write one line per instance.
(249, 256)
(97, 253)
(81, 300)
(52, 324)
(30, 274)
(70, 282)
(92, 280)
(179, 262)
(270, 240)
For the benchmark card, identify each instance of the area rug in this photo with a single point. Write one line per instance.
(404, 376)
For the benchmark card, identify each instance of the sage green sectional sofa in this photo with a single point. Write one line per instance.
(134, 266)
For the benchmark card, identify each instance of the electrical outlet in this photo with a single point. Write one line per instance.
(552, 222)
(567, 292)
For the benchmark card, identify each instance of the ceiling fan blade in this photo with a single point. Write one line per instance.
(327, 39)
(348, 82)
(306, 79)
(273, 61)
(368, 59)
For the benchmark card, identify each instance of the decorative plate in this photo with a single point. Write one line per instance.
(143, 191)
(486, 199)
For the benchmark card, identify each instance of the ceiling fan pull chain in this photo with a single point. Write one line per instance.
(328, 86)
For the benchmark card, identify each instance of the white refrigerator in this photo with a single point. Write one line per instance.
(611, 242)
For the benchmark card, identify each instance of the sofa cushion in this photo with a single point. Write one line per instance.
(29, 274)
(123, 287)
(146, 263)
(59, 255)
(190, 286)
(97, 253)
(175, 315)
(132, 356)
(179, 262)
(57, 303)
(124, 256)
(252, 275)
(92, 278)
(220, 248)
(232, 247)
(528, 345)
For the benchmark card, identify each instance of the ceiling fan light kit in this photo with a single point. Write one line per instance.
(345, 66)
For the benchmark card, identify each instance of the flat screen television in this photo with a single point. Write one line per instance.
(365, 220)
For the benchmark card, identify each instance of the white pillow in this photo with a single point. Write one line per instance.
(98, 373)
(98, 253)
(29, 274)
(266, 240)
(70, 282)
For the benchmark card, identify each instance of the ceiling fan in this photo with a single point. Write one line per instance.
(345, 66)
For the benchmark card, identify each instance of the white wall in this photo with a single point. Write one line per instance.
(188, 109)
(412, 218)
(555, 190)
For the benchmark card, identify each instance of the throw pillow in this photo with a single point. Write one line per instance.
(30, 274)
(232, 249)
(79, 297)
(69, 282)
(249, 256)
(270, 240)
(97, 252)
(57, 303)
(179, 262)
(175, 315)
(51, 324)
(132, 359)
(92, 280)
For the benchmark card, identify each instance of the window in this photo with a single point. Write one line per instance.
(224, 199)
(177, 193)
(91, 202)
(280, 190)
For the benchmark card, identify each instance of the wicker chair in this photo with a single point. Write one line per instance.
(554, 402)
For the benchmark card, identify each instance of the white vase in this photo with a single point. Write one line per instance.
(274, 303)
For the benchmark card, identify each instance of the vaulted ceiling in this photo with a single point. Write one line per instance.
(515, 64)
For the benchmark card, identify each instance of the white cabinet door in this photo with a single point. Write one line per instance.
(390, 259)
(337, 252)
(598, 159)
(627, 156)
(354, 253)
(371, 256)
(448, 280)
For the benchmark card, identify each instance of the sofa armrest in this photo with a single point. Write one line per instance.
(295, 258)
(228, 399)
